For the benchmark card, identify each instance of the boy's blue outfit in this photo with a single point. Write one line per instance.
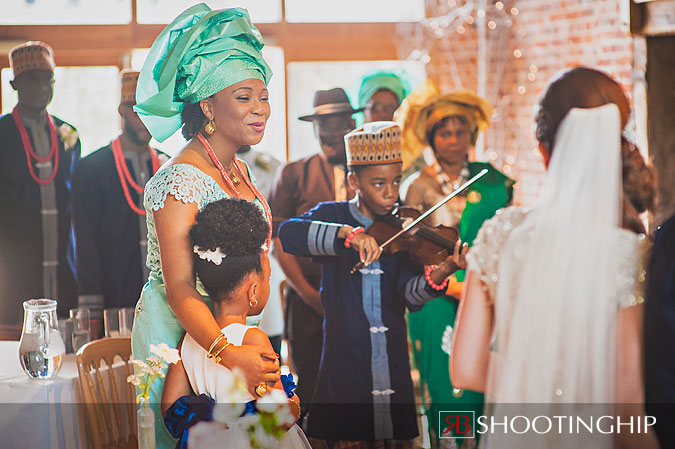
(364, 390)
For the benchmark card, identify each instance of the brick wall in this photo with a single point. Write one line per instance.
(548, 36)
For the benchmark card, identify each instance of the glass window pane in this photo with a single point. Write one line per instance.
(354, 11)
(66, 12)
(304, 78)
(164, 11)
(274, 141)
(85, 97)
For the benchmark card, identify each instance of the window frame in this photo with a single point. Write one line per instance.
(106, 45)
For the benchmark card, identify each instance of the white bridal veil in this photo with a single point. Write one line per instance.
(556, 303)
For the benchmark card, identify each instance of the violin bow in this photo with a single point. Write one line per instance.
(431, 210)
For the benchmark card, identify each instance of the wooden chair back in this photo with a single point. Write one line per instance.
(110, 402)
(288, 361)
(282, 293)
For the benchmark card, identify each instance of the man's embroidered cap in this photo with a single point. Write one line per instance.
(128, 81)
(374, 143)
(33, 55)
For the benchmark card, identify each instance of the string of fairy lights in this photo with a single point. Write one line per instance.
(444, 33)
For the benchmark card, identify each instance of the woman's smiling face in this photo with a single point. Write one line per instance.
(240, 112)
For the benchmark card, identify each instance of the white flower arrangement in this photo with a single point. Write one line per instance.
(68, 136)
(146, 372)
(262, 430)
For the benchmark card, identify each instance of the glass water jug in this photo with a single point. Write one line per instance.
(41, 349)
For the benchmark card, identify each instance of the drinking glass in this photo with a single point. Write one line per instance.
(81, 335)
(126, 318)
(111, 322)
(66, 331)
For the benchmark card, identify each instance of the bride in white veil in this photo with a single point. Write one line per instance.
(550, 322)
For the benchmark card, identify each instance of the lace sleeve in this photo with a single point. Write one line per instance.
(632, 275)
(483, 258)
(184, 182)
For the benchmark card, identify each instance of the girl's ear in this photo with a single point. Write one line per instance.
(253, 293)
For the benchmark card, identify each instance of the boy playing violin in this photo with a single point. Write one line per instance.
(364, 392)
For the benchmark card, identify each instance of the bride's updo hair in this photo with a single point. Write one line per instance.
(236, 228)
(582, 87)
(579, 87)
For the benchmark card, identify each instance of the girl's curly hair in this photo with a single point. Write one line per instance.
(239, 229)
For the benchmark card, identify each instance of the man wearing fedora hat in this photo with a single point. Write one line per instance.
(37, 154)
(298, 187)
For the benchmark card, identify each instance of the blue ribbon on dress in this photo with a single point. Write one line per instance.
(189, 410)
(288, 384)
(185, 413)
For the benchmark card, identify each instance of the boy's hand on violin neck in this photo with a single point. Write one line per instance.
(455, 261)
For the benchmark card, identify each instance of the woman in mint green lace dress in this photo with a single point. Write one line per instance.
(205, 73)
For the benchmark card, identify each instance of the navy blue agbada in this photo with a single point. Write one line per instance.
(364, 390)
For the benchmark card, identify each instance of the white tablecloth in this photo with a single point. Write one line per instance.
(39, 413)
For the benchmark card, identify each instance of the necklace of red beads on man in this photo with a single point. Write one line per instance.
(31, 154)
(125, 177)
(233, 188)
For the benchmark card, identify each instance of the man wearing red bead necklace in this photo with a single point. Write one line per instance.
(108, 216)
(37, 154)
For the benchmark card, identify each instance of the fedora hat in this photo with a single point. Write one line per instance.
(328, 102)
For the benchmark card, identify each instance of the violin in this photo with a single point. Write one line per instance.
(428, 245)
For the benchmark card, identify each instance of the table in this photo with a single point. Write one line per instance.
(39, 413)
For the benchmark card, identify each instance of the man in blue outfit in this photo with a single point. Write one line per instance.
(364, 392)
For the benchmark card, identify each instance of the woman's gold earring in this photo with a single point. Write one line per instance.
(210, 127)
(253, 303)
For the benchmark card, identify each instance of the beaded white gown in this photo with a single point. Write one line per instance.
(557, 277)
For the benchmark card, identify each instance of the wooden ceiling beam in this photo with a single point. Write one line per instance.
(93, 44)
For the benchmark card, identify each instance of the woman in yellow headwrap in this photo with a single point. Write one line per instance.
(204, 73)
(449, 124)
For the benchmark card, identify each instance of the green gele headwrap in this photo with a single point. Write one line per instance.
(394, 81)
(198, 54)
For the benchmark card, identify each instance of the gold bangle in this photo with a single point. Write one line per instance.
(215, 342)
(213, 345)
(217, 354)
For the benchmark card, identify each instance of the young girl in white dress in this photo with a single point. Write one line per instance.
(231, 262)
